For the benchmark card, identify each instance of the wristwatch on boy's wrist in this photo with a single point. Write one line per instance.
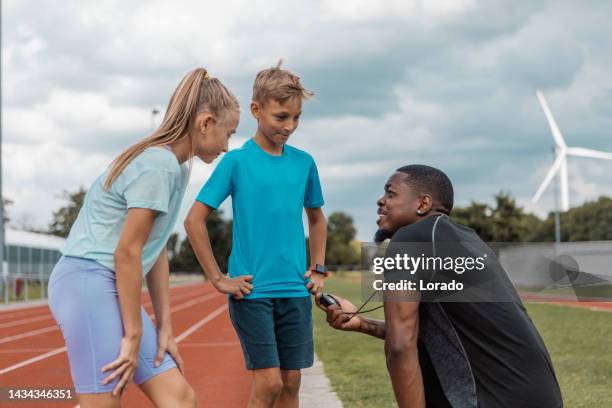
(318, 268)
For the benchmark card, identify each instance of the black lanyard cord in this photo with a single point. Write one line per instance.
(371, 310)
(360, 310)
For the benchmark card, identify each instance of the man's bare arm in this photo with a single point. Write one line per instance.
(401, 332)
(372, 327)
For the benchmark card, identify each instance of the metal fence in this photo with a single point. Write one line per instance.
(26, 272)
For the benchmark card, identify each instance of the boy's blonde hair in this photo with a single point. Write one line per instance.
(197, 92)
(278, 84)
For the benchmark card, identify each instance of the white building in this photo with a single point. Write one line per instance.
(30, 254)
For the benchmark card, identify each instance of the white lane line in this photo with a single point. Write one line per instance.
(26, 350)
(33, 360)
(24, 321)
(194, 302)
(201, 323)
(213, 344)
(48, 316)
(178, 297)
(28, 334)
(186, 333)
(8, 315)
(55, 327)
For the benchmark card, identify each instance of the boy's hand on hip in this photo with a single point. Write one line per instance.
(238, 287)
(316, 281)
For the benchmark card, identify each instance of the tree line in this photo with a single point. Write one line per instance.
(505, 221)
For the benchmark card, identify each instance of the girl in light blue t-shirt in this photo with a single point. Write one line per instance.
(120, 236)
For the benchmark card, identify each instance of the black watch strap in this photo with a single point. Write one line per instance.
(318, 268)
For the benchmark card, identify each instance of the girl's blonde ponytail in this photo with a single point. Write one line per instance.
(197, 92)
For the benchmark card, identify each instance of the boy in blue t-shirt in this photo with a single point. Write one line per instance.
(270, 183)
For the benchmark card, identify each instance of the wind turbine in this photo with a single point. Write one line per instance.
(561, 153)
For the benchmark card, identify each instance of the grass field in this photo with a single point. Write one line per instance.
(579, 341)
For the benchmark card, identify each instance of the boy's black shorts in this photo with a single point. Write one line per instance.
(274, 332)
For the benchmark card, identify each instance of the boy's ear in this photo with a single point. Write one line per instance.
(255, 109)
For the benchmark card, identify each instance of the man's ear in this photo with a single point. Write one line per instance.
(255, 109)
(425, 204)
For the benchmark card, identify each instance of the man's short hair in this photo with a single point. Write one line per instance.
(278, 84)
(429, 180)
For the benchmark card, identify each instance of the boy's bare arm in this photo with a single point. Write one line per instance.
(195, 225)
(317, 233)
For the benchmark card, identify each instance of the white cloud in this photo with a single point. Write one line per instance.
(74, 118)
(587, 179)
(448, 83)
(365, 10)
(36, 175)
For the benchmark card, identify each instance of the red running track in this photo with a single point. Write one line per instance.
(32, 353)
(569, 301)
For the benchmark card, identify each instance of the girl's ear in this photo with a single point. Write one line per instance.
(203, 121)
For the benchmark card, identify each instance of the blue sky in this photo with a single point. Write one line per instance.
(447, 83)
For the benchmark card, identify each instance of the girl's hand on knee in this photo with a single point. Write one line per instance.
(167, 343)
(125, 365)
